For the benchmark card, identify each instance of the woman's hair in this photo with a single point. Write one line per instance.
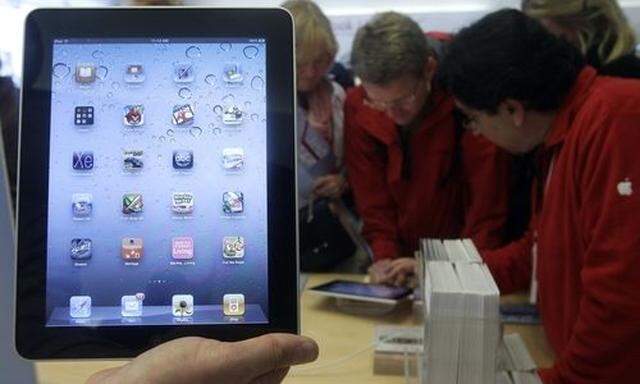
(600, 26)
(314, 36)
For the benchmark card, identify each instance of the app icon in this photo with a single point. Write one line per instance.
(182, 114)
(80, 306)
(82, 204)
(232, 116)
(134, 74)
(233, 247)
(132, 160)
(233, 159)
(182, 305)
(133, 115)
(182, 202)
(83, 161)
(84, 115)
(183, 72)
(132, 249)
(132, 305)
(85, 73)
(182, 248)
(81, 249)
(132, 203)
(232, 202)
(183, 159)
(232, 73)
(233, 304)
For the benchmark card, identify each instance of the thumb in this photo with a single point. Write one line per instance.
(318, 183)
(256, 357)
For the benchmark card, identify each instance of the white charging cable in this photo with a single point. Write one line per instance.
(302, 371)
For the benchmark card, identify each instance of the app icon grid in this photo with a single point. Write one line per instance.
(141, 112)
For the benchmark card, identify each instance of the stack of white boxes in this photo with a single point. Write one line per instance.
(462, 325)
(514, 362)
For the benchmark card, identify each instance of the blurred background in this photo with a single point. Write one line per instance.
(345, 15)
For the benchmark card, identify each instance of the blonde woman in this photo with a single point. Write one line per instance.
(321, 182)
(597, 27)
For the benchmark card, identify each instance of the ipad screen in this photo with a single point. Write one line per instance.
(157, 205)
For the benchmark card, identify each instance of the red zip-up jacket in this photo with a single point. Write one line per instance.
(430, 197)
(587, 224)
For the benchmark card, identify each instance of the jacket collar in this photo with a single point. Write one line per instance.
(572, 103)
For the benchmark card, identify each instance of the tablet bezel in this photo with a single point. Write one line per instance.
(33, 339)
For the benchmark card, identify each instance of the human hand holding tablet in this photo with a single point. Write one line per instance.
(265, 359)
(157, 179)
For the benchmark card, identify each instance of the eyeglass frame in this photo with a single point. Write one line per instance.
(402, 101)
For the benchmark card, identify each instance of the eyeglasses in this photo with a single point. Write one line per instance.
(400, 102)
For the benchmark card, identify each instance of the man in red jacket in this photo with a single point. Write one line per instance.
(413, 169)
(525, 90)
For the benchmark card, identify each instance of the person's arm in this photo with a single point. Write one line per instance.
(604, 346)
(196, 360)
(334, 185)
(366, 172)
(511, 265)
(486, 171)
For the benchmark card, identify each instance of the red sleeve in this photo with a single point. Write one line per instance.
(604, 346)
(366, 172)
(486, 170)
(510, 266)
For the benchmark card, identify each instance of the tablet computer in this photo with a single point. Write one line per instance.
(378, 293)
(157, 179)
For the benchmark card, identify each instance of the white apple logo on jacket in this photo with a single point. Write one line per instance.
(625, 187)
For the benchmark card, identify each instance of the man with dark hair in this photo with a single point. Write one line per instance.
(526, 90)
(413, 169)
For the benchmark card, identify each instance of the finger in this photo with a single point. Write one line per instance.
(379, 277)
(402, 270)
(382, 265)
(323, 190)
(374, 276)
(401, 279)
(403, 261)
(398, 275)
(255, 357)
(381, 268)
(407, 265)
(320, 181)
(397, 262)
(386, 277)
(317, 186)
(331, 192)
(273, 377)
(396, 269)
